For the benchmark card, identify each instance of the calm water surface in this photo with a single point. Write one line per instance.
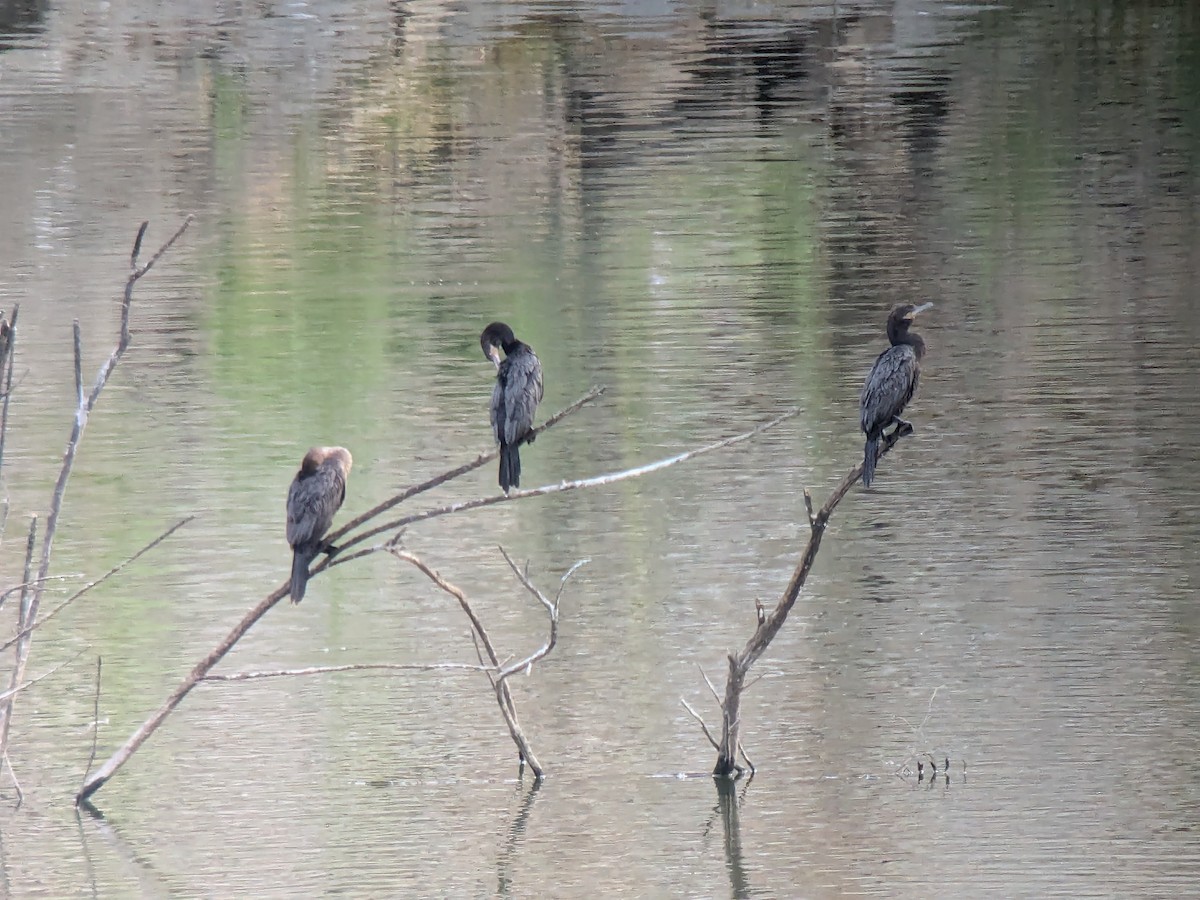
(708, 208)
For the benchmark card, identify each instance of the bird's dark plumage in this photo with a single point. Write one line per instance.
(316, 493)
(515, 397)
(892, 382)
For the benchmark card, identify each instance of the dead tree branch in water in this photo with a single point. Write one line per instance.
(770, 623)
(498, 675)
(85, 402)
(201, 669)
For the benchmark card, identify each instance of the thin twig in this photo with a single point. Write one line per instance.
(32, 681)
(503, 695)
(752, 682)
(18, 588)
(92, 584)
(24, 615)
(355, 667)
(78, 336)
(479, 634)
(749, 763)
(526, 665)
(695, 715)
(6, 368)
(16, 784)
(712, 687)
(95, 719)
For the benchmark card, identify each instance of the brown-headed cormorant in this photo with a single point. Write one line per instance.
(315, 495)
(892, 382)
(515, 397)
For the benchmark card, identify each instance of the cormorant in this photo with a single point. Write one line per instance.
(514, 399)
(315, 495)
(892, 382)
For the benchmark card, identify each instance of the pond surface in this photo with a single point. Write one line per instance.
(708, 208)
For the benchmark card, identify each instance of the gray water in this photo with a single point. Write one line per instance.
(708, 209)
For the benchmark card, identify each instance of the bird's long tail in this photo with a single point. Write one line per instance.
(300, 561)
(870, 451)
(510, 466)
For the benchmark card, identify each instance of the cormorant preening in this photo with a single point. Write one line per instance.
(516, 395)
(892, 382)
(315, 495)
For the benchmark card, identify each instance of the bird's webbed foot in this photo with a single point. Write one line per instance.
(329, 550)
(903, 428)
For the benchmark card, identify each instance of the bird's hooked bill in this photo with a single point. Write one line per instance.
(493, 353)
(922, 307)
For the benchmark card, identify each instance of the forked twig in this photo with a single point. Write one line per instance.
(85, 404)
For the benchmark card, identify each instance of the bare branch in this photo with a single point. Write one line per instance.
(504, 698)
(562, 583)
(749, 763)
(32, 681)
(454, 592)
(78, 336)
(479, 636)
(437, 480)
(561, 487)
(16, 784)
(96, 781)
(17, 589)
(526, 664)
(712, 687)
(695, 715)
(92, 584)
(96, 707)
(523, 577)
(133, 277)
(770, 624)
(349, 667)
(24, 615)
(84, 408)
(8, 332)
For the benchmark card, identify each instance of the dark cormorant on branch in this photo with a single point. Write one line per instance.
(315, 495)
(892, 382)
(514, 399)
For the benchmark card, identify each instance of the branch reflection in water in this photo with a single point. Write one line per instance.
(516, 835)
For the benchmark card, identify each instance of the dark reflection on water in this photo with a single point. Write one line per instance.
(19, 21)
(709, 209)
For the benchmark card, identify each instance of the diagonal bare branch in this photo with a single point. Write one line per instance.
(92, 584)
(480, 460)
(561, 487)
(349, 667)
(695, 715)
